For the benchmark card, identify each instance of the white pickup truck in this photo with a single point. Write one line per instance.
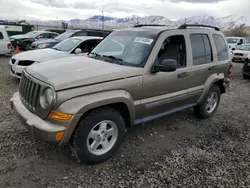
(5, 45)
(234, 42)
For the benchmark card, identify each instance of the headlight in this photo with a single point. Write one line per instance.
(41, 46)
(47, 98)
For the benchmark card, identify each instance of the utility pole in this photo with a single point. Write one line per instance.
(102, 20)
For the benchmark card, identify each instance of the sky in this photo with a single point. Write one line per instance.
(81, 9)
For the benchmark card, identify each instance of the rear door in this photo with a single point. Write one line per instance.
(202, 61)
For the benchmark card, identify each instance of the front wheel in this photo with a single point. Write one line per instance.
(98, 136)
(208, 107)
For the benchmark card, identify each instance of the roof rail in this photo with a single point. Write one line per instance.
(198, 25)
(141, 25)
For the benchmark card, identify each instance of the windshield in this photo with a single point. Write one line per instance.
(232, 40)
(67, 45)
(65, 35)
(128, 47)
(32, 33)
(244, 47)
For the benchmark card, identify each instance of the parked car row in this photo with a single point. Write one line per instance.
(70, 33)
(68, 47)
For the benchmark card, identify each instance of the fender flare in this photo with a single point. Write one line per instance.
(82, 104)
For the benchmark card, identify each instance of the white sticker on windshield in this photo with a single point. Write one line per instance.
(143, 40)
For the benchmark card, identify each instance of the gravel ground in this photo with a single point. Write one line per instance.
(176, 151)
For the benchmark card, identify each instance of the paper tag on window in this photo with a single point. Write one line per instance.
(143, 40)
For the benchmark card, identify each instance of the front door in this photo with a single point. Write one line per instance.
(166, 92)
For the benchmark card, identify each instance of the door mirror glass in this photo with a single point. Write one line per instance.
(167, 65)
(78, 51)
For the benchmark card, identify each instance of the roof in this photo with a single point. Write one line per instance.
(157, 29)
(150, 29)
(87, 37)
(43, 31)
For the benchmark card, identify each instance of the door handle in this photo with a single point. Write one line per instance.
(183, 74)
(211, 68)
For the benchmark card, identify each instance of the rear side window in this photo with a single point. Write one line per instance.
(1, 35)
(221, 47)
(201, 48)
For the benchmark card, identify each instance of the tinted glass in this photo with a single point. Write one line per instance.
(198, 49)
(208, 49)
(81, 34)
(1, 35)
(201, 48)
(221, 47)
(67, 45)
(53, 35)
(65, 35)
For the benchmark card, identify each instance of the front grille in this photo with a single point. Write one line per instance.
(239, 54)
(13, 61)
(29, 92)
(25, 63)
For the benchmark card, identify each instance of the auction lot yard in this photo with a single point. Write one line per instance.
(175, 151)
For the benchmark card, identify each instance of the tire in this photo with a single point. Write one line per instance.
(201, 110)
(106, 146)
(245, 76)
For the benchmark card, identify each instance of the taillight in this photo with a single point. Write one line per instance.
(9, 45)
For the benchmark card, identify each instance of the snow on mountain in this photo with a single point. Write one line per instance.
(227, 22)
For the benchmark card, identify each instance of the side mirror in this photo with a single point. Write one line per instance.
(167, 65)
(78, 51)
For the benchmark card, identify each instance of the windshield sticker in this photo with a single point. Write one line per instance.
(143, 40)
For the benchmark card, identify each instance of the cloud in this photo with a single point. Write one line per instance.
(194, 1)
(70, 9)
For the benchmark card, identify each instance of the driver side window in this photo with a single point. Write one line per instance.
(173, 47)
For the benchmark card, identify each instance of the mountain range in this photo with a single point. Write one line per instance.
(227, 22)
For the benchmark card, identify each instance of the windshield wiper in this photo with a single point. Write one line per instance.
(95, 54)
(56, 49)
(119, 61)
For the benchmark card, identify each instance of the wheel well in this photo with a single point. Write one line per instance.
(120, 107)
(219, 83)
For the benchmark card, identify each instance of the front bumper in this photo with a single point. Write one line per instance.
(239, 58)
(15, 69)
(36, 126)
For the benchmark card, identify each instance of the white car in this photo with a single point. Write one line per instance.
(69, 47)
(241, 53)
(235, 42)
(5, 45)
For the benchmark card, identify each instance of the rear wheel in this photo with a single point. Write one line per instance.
(245, 76)
(98, 136)
(208, 107)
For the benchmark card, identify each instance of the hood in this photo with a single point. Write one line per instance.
(80, 71)
(44, 41)
(19, 37)
(40, 55)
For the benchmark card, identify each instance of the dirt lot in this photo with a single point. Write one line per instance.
(176, 151)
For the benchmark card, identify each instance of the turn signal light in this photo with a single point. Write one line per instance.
(59, 136)
(60, 115)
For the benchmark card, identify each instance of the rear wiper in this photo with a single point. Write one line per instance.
(118, 60)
